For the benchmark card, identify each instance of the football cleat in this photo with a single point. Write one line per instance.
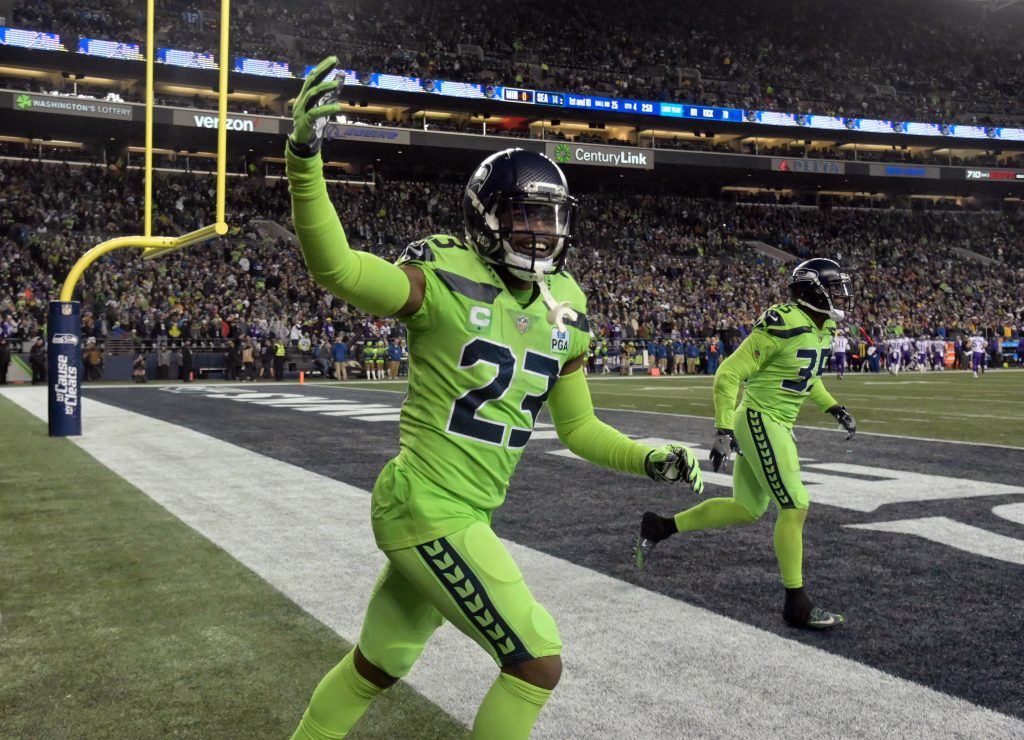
(653, 529)
(821, 619)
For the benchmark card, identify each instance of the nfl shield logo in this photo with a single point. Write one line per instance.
(65, 310)
(523, 324)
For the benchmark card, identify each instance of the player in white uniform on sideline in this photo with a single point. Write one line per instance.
(892, 346)
(977, 343)
(840, 348)
(938, 354)
(921, 344)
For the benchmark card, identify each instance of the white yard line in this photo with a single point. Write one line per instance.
(819, 428)
(637, 664)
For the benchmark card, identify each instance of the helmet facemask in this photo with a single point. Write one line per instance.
(519, 214)
(528, 233)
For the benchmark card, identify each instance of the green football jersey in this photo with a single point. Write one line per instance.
(790, 363)
(481, 364)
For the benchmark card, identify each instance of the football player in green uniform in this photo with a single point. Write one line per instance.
(781, 363)
(496, 327)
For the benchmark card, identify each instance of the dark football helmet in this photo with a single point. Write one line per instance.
(821, 285)
(519, 214)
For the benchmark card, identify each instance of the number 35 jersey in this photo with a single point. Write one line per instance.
(482, 361)
(790, 353)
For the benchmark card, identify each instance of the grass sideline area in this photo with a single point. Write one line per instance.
(119, 621)
(952, 405)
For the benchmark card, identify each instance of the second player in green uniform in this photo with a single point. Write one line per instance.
(781, 363)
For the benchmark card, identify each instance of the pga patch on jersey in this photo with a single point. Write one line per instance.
(559, 340)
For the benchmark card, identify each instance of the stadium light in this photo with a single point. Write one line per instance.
(64, 327)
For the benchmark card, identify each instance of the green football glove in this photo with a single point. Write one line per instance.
(317, 102)
(671, 463)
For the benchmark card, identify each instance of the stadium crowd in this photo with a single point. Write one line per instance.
(652, 266)
(947, 62)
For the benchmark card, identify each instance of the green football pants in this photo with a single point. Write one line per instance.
(769, 468)
(468, 578)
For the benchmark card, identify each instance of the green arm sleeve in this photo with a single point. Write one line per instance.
(366, 281)
(586, 435)
(821, 397)
(748, 358)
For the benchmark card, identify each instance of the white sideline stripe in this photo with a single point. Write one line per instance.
(382, 417)
(309, 404)
(956, 534)
(544, 434)
(819, 429)
(339, 408)
(1010, 512)
(366, 408)
(637, 664)
(711, 419)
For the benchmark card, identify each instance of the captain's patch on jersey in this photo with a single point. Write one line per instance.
(479, 320)
(559, 340)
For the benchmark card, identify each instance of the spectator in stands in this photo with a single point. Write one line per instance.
(248, 361)
(37, 361)
(279, 359)
(692, 352)
(714, 355)
(139, 368)
(340, 354)
(92, 360)
(186, 362)
(321, 358)
(5, 359)
(163, 362)
(267, 359)
(230, 361)
(394, 351)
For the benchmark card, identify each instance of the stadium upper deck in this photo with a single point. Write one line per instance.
(943, 61)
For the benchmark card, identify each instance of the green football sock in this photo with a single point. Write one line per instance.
(711, 514)
(509, 709)
(337, 704)
(789, 546)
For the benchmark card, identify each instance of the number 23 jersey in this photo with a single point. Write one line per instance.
(481, 365)
(791, 353)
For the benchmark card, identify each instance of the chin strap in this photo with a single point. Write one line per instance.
(836, 314)
(557, 312)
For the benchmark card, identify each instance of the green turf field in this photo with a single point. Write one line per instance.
(119, 621)
(950, 405)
